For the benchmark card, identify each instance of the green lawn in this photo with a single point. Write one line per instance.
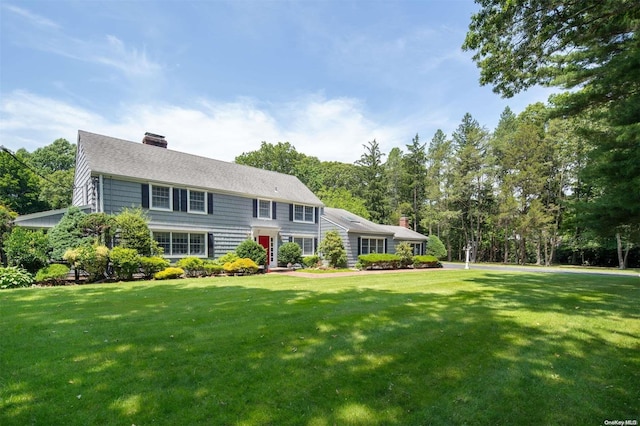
(435, 347)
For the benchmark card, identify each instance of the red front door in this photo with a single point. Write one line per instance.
(263, 240)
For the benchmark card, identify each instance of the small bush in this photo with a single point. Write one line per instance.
(426, 261)
(211, 267)
(227, 258)
(379, 261)
(405, 252)
(193, 266)
(435, 247)
(241, 266)
(91, 259)
(289, 253)
(27, 249)
(249, 249)
(169, 273)
(311, 261)
(13, 277)
(53, 274)
(332, 249)
(151, 265)
(126, 262)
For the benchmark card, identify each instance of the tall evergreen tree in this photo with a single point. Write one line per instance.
(415, 161)
(373, 182)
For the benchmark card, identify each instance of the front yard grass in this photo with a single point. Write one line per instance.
(439, 347)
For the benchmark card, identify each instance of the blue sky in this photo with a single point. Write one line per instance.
(217, 78)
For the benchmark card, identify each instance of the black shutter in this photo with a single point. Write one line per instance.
(273, 210)
(290, 239)
(291, 212)
(210, 245)
(209, 203)
(317, 214)
(145, 195)
(359, 245)
(385, 246)
(315, 245)
(183, 200)
(176, 199)
(255, 208)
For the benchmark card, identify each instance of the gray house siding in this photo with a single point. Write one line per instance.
(230, 222)
(352, 256)
(83, 193)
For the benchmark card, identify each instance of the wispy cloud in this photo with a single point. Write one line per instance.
(32, 18)
(41, 33)
(330, 129)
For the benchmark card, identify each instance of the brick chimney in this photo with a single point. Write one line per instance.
(404, 222)
(155, 140)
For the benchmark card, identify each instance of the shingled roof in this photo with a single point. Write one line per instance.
(121, 158)
(353, 223)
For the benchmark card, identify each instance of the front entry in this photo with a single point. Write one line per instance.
(265, 242)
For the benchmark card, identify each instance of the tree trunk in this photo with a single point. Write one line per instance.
(538, 252)
(621, 259)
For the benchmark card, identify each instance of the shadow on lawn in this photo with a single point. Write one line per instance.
(177, 354)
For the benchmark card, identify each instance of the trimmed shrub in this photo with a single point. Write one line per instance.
(193, 266)
(169, 273)
(249, 249)
(211, 267)
(53, 274)
(133, 232)
(332, 249)
(241, 266)
(435, 247)
(91, 259)
(27, 249)
(227, 258)
(426, 261)
(150, 265)
(289, 253)
(405, 252)
(126, 262)
(14, 277)
(380, 261)
(311, 261)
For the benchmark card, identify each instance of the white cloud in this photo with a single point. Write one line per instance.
(330, 129)
(40, 33)
(34, 19)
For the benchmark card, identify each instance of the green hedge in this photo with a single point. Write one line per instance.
(380, 261)
(426, 261)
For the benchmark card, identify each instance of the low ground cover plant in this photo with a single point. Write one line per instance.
(169, 273)
(14, 277)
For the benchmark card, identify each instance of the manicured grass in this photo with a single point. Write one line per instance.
(439, 347)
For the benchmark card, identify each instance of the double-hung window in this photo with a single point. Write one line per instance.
(306, 244)
(303, 213)
(264, 209)
(371, 245)
(160, 197)
(181, 243)
(197, 202)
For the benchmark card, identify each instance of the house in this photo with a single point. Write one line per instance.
(197, 206)
(361, 236)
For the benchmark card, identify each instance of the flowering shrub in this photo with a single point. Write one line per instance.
(13, 277)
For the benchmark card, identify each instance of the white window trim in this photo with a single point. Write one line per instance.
(270, 209)
(369, 244)
(189, 202)
(305, 237)
(313, 214)
(164, 209)
(189, 233)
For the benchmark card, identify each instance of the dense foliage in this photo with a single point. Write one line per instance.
(13, 277)
(250, 249)
(289, 253)
(332, 250)
(27, 249)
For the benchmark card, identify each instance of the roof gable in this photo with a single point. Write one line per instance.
(117, 157)
(354, 223)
